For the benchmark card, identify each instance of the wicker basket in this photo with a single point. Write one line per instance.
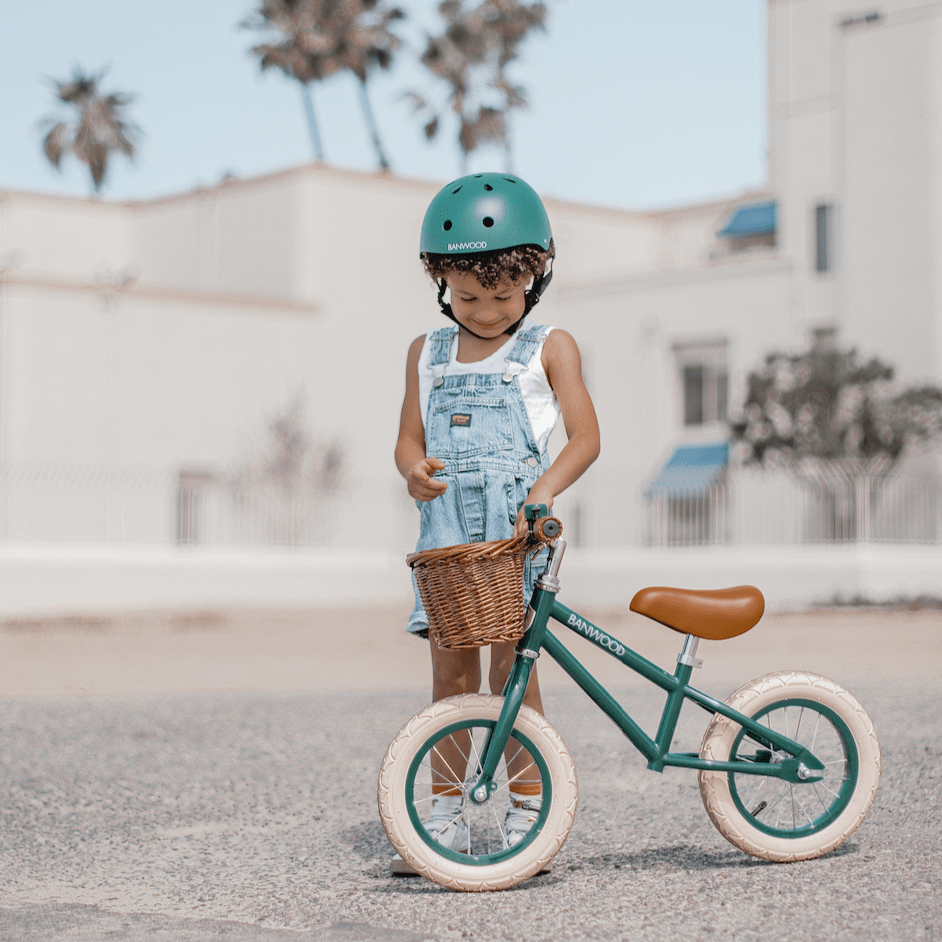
(473, 592)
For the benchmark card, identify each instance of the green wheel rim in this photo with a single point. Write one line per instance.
(786, 809)
(488, 857)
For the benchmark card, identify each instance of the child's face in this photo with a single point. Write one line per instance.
(487, 312)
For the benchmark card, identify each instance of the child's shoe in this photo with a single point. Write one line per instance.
(447, 823)
(521, 816)
(447, 826)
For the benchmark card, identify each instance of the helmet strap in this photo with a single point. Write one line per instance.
(540, 283)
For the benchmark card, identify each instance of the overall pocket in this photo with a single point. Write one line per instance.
(462, 426)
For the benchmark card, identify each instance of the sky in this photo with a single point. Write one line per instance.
(634, 104)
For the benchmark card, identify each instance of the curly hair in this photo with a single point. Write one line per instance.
(491, 268)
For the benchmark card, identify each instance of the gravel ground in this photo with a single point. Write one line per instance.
(250, 815)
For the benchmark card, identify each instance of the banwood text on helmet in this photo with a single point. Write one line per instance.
(486, 212)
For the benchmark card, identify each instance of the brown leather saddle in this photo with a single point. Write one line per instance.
(713, 614)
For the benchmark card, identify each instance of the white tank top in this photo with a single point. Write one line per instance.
(538, 397)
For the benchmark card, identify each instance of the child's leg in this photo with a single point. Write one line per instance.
(453, 673)
(520, 767)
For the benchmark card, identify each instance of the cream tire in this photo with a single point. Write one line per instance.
(494, 867)
(781, 821)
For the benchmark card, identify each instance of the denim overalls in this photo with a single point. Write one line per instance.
(477, 424)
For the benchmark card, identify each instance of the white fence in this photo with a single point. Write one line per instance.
(53, 504)
(86, 504)
(745, 507)
(749, 506)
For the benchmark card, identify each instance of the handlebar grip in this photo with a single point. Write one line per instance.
(546, 529)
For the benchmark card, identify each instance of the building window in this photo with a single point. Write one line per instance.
(823, 237)
(704, 383)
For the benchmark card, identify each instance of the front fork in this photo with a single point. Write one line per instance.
(528, 650)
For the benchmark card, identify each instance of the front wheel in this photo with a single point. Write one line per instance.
(445, 742)
(779, 820)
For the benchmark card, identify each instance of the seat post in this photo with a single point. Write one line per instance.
(688, 656)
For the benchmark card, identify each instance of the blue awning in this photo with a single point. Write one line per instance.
(753, 220)
(689, 471)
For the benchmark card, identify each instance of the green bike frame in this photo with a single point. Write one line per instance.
(799, 768)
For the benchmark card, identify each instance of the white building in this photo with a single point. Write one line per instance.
(845, 240)
(143, 345)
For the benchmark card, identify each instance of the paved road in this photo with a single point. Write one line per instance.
(252, 816)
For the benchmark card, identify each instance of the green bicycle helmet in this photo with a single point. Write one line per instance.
(486, 212)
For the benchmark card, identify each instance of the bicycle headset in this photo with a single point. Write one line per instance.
(487, 212)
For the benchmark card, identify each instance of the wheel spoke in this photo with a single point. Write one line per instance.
(474, 754)
(761, 784)
(499, 825)
(448, 823)
(797, 801)
(519, 779)
(456, 780)
(841, 761)
(827, 787)
(510, 759)
(814, 735)
(822, 799)
(801, 716)
(781, 801)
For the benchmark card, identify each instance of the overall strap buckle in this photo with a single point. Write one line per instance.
(441, 341)
(523, 352)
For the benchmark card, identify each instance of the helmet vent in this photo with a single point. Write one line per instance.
(455, 190)
(487, 186)
(509, 180)
(446, 225)
(488, 222)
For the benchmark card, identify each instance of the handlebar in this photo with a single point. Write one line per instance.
(544, 528)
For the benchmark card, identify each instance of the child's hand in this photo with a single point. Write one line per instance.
(521, 526)
(421, 484)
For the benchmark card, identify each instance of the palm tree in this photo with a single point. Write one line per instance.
(302, 49)
(97, 130)
(472, 57)
(364, 42)
(455, 57)
(319, 38)
(511, 23)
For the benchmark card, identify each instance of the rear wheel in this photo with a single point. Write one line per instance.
(778, 820)
(459, 726)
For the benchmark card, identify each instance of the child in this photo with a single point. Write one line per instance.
(482, 398)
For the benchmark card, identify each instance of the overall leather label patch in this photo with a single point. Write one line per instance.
(460, 420)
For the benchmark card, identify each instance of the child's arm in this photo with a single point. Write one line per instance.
(563, 366)
(411, 460)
